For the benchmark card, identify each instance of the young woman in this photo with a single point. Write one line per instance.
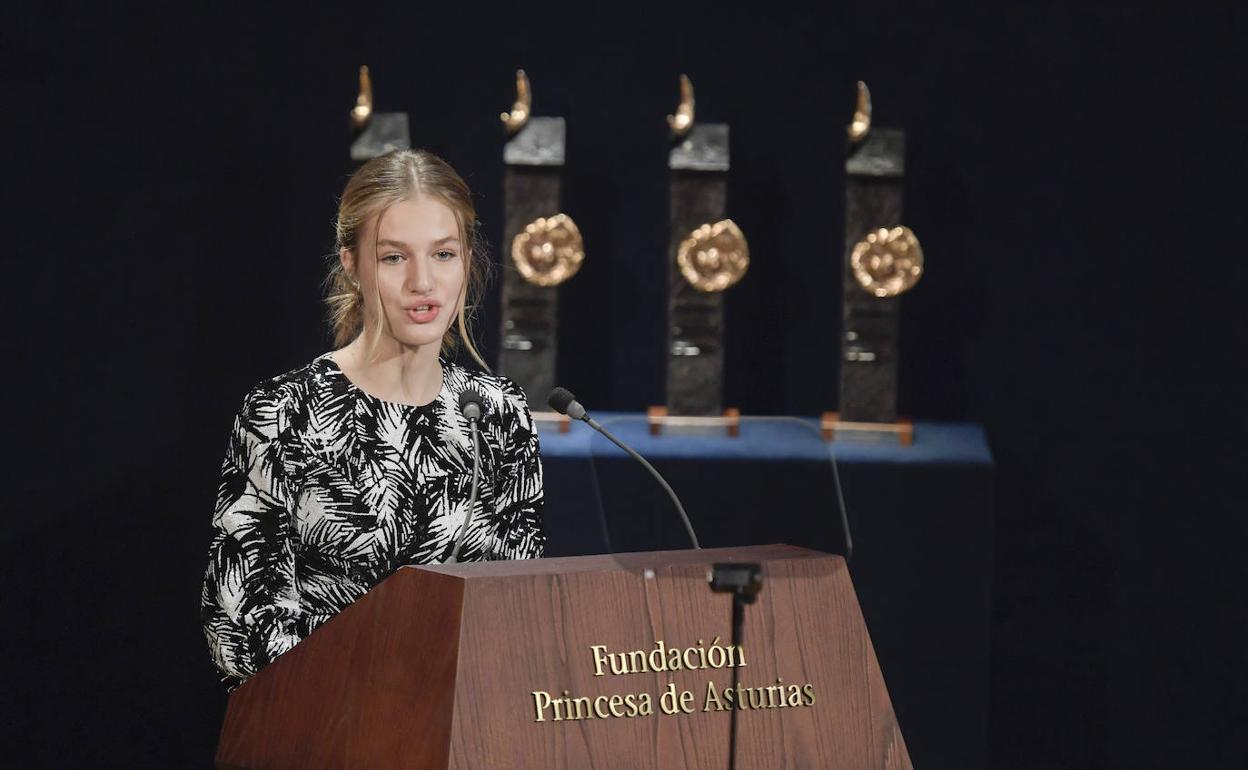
(360, 462)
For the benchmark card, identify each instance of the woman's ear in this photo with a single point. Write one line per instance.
(347, 260)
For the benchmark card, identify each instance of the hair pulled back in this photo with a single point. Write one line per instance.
(376, 186)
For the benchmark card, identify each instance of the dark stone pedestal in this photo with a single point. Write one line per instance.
(698, 190)
(873, 196)
(530, 313)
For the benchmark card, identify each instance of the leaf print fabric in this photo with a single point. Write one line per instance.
(326, 490)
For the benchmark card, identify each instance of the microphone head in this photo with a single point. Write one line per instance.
(559, 400)
(471, 404)
(563, 402)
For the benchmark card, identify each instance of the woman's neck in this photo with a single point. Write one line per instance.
(393, 371)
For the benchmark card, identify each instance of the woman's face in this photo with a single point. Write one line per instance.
(411, 270)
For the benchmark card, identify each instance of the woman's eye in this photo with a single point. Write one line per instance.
(391, 259)
(445, 255)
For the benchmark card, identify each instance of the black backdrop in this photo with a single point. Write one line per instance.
(1075, 174)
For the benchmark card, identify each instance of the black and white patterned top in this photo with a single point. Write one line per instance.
(326, 490)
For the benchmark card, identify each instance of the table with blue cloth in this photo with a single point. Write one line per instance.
(921, 519)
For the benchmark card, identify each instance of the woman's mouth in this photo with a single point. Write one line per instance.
(423, 314)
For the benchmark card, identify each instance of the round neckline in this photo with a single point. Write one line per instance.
(329, 357)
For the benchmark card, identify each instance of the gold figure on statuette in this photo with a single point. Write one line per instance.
(362, 112)
(714, 257)
(519, 115)
(682, 122)
(549, 250)
(861, 123)
(888, 262)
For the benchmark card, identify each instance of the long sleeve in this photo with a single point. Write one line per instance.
(250, 604)
(520, 497)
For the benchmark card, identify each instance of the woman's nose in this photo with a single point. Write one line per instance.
(419, 276)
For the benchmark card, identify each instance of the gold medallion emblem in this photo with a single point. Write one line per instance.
(549, 250)
(887, 262)
(714, 257)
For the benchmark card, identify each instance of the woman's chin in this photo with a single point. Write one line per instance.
(419, 338)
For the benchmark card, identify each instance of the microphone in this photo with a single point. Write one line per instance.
(563, 402)
(472, 406)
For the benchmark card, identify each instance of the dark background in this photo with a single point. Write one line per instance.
(1075, 174)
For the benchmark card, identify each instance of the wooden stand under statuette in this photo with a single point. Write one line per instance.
(542, 249)
(375, 133)
(708, 254)
(882, 260)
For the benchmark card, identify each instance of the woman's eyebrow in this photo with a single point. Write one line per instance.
(406, 247)
(396, 244)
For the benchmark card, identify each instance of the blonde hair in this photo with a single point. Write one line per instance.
(376, 186)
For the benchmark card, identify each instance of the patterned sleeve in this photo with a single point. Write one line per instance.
(249, 603)
(519, 496)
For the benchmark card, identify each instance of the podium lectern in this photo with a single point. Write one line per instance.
(603, 662)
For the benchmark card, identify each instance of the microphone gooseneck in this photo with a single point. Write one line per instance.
(563, 402)
(471, 405)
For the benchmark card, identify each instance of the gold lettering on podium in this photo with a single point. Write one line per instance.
(601, 707)
(671, 701)
(664, 658)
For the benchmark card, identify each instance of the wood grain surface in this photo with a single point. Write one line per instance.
(372, 688)
(437, 666)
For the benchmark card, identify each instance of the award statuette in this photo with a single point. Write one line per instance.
(709, 254)
(882, 260)
(375, 133)
(545, 248)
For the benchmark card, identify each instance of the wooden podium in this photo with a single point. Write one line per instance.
(586, 662)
